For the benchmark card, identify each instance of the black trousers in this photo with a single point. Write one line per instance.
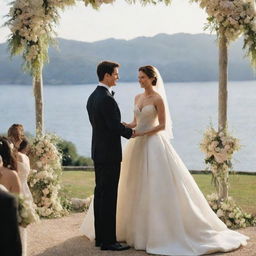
(105, 200)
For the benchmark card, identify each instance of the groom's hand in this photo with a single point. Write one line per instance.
(134, 134)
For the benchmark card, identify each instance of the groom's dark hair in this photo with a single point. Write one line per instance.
(106, 67)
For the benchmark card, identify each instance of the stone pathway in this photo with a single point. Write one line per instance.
(61, 237)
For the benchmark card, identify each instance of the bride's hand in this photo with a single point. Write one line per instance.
(137, 134)
(127, 125)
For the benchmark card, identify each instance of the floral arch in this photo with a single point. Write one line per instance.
(32, 31)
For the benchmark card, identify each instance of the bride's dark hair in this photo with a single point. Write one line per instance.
(150, 72)
(7, 155)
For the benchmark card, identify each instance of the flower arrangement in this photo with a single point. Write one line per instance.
(26, 212)
(32, 25)
(234, 17)
(230, 213)
(44, 182)
(97, 3)
(219, 147)
(81, 204)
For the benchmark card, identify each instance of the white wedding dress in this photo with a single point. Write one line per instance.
(23, 172)
(160, 208)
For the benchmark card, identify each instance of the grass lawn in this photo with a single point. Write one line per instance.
(242, 187)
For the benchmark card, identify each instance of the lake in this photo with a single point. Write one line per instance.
(193, 106)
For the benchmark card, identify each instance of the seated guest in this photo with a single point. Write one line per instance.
(8, 167)
(10, 242)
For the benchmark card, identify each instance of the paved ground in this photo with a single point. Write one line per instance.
(61, 237)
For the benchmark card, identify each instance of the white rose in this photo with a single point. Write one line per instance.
(220, 213)
(228, 223)
(237, 221)
(215, 207)
(224, 206)
(221, 134)
(227, 147)
(46, 191)
(24, 214)
(217, 149)
(39, 164)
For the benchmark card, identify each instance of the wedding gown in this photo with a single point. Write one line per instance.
(23, 172)
(160, 208)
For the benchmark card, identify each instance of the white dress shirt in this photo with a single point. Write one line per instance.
(107, 87)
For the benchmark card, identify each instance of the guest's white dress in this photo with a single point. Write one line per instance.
(160, 207)
(23, 172)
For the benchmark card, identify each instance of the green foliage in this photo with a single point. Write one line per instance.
(70, 156)
(80, 184)
(69, 152)
(83, 161)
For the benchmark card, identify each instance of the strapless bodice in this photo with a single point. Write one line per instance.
(146, 117)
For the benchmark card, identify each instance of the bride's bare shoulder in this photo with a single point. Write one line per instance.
(157, 96)
(158, 100)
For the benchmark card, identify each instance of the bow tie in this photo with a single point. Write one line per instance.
(112, 93)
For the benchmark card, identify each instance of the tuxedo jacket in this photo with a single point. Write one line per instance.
(10, 243)
(105, 118)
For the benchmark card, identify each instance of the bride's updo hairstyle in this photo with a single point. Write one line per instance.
(6, 153)
(16, 133)
(150, 72)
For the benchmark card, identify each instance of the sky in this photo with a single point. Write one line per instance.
(123, 21)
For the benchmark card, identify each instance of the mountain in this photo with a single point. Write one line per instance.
(179, 57)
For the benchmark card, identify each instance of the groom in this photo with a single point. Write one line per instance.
(105, 118)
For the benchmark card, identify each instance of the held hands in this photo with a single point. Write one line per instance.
(137, 134)
(134, 132)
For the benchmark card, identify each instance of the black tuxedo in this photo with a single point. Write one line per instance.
(105, 118)
(107, 130)
(10, 243)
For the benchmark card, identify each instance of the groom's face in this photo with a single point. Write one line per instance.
(112, 79)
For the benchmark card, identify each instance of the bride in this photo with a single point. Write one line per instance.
(160, 208)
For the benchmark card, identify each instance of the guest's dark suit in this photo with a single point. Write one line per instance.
(107, 130)
(10, 243)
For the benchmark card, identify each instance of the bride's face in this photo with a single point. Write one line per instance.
(144, 80)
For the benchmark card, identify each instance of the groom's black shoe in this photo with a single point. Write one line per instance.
(115, 247)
